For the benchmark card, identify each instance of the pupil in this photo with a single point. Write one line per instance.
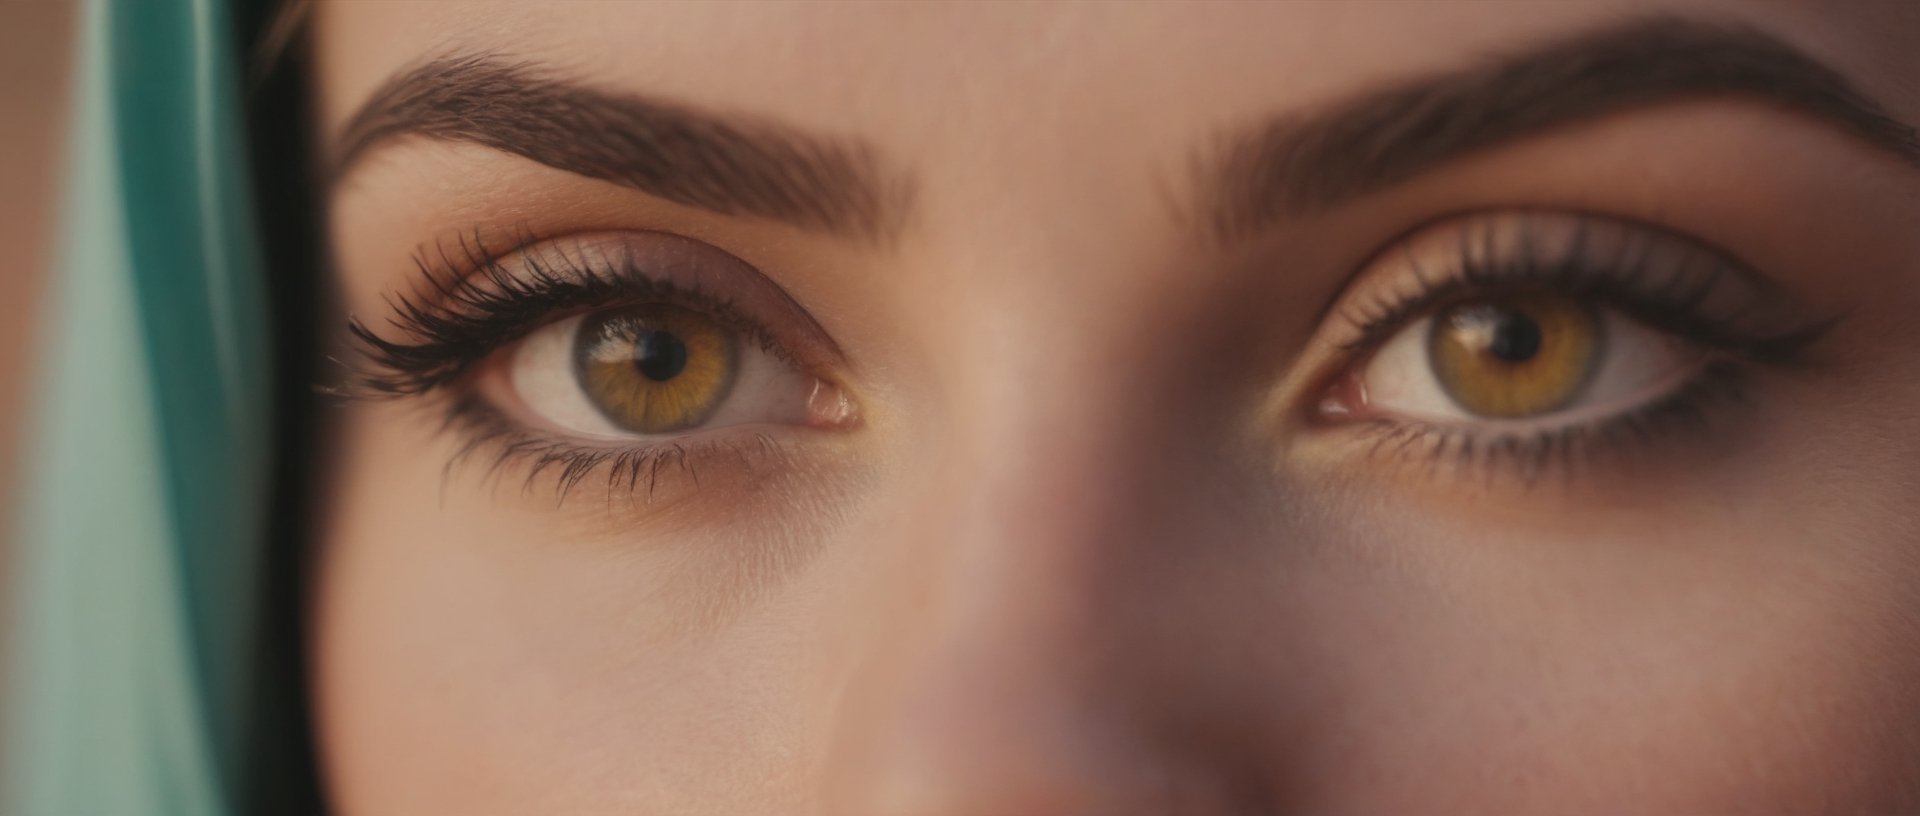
(1516, 337)
(659, 355)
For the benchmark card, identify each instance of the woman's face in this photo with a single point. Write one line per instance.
(1123, 408)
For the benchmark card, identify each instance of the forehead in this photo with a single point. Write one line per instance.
(1056, 84)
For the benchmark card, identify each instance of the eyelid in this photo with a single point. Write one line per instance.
(474, 307)
(695, 266)
(473, 302)
(1668, 280)
(1739, 319)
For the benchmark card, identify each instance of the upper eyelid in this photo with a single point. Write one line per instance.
(1362, 300)
(747, 286)
(447, 266)
(441, 317)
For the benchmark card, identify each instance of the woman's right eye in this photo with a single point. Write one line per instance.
(606, 353)
(653, 370)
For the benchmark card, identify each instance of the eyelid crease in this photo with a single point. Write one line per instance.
(1667, 280)
(472, 302)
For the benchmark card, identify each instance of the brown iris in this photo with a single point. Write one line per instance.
(1516, 356)
(654, 368)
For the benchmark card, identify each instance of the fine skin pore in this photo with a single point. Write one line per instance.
(1079, 480)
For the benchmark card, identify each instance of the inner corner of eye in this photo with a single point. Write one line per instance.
(830, 407)
(1341, 399)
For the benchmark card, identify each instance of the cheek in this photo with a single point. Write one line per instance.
(472, 656)
(1746, 640)
(1707, 669)
(1711, 656)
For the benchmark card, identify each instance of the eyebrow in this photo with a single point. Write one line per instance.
(1297, 165)
(721, 164)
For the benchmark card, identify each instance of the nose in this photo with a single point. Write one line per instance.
(1016, 669)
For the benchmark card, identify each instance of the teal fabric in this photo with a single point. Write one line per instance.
(147, 462)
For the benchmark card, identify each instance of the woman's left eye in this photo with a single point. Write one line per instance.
(653, 370)
(1520, 335)
(1524, 357)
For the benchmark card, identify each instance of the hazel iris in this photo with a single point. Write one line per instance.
(1516, 356)
(654, 368)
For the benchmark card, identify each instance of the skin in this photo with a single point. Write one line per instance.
(1080, 554)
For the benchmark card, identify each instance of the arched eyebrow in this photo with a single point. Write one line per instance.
(1299, 164)
(1289, 165)
(733, 166)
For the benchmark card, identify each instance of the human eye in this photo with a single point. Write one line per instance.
(630, 355)
(1521, 341)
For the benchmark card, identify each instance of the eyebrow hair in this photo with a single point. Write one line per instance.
(1303, 164)
(725, 165)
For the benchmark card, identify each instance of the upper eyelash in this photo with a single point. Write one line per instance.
(1621, 282)
(460, 319)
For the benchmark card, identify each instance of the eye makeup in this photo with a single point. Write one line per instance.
(1662, 278)
(1631, 291)
(473, 300)
(484, 328)
(1664, 296)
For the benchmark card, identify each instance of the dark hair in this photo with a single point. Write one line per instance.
(279, 774)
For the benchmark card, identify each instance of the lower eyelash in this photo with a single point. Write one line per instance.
(1531, 456)
(507, 445)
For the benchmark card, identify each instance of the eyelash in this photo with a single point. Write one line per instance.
(1534, 454)
(464, 318)
(626, 467)
(475, 305)
(1673, 304)
(461, 320)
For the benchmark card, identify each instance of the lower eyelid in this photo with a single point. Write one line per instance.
(494, 447)
(1705, 412)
